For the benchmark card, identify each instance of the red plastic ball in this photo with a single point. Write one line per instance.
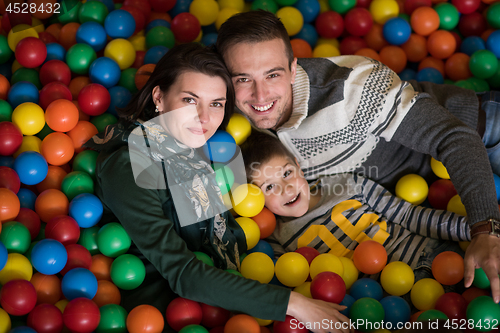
(139, 59)
(363, 3)
(329, 24)
(81, 315)
(370, 257)
(64, 229)
(466, 6)
(358, 21)
(213, 316)
(182, 312)
(46, 37)
(9, 179)
(46, 318)
(162, 5)
(55, 71)
(453, 305)
(308, 252)
(185, 27)
(440, 193)
(30, 220)
(78, 256)
(18, 297)
(53, 91)
(328, 286)
(139, 18)
(10, 138)
(94, 99)
(143, 5)
(31, 52)
(474, 292)
(473, 24)
(351, 44)
(411, 5)
(289, 326)
(12, 19)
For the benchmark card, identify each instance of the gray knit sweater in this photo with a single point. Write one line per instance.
(354, 114)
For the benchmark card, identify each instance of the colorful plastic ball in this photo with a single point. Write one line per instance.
(393, 57)
(382, 10)
(329, 287)
(5, 51)
(15, 236)
(370, 257)
(9, 179)
(366, 287)
(3, 255)
(31, 143)
(480, 279)
(473, 24)
(31, 167)
(440, 193)
(18, 33)
(412, 188)
(77, 182)
(49, 256)
(17, 267)
(213, 316)
(107, 293)
(113, 240)
(292, 269)
(45, 318)
(79, 282)
(292, 19)
(453, 305)
(93, 34)
(448, 268)
(78, 257)
(26, 74)
(82, 132)
(224, 177)
(448, 15)
(240, 323)
(101, 266)
(367, 311)
(483, 64)
(441, 44)
(120, 96)
(206, 11)
(86, 209)
(309, 34)
(64, 229)
(88, 239)
(57, 148)
(18, 297)
(258, 266)
(439, 169)
(429, 74)
(26, 114)
(31, 52)
(182, 312)
(457, 67)
(122, 51)
(472, 44)
(61, 115)
(425, 293)
(9, 205)
(79, 58)
(301, 48)
(113, 319)
(119, 24)
(330, 24)
(145, 318)
(154, 54)
(92, 11)
(5, 108)
(48, 288)
(266, 221)
(482, 310)
(396, 310)
(55, 70)
(53, 91)
(239, 128)
(492, 16)
(81, 315)
(104, 71)
(466, 6)
(424, 20)
(185, 27)
(358, 21)
(396, 31)
(127, 272)
(220, 147)
(11, 138)
(286, 326)
(94, 99)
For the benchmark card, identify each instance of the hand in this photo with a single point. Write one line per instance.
(311, 311)
(484, 251)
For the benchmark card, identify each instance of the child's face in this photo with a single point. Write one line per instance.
(285, 189)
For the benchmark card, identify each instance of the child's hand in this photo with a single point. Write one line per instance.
(319, 316)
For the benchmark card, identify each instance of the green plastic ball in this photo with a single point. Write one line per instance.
(69, 11)
(103, 120)
(79, 57)
(127, 80)
(77, 182)
(224, 177)
(432, 315)
(493, 15)
(113, 319)
(193, 328)
(405, 17)
(235, 272)
(113, 240)
(483, 310)
(26, 74)
(88, 239)
(480, 85)
(92, 11)
(480, 279)
(204, 257)
(16, 237)
(283, 3)
(494, 81)
(448, 15)
(86, 161)
(5, 111)
(464, 84)
(269, 5)
(46, 130)
(41, 233)
(160, 36)
(368, 311)
(483, 64)
(5, 51)
(127, 272)
(341, 6)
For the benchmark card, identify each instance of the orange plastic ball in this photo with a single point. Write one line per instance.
(160, 16)
(424, 20)
(54, 29)
(441, 44)
(448, 268)
(375, 37)
(301, 48)
(145, 319)
(82, 133)
(51, 203)
(266, 222)
(54, 178)
(48, 288)
(143, 74)
(432, 62)
(393, 57)
(61, 115)
(369, 53)
(415, 48)
(457, 68)
(4, 87)
(9, 205)
(57, 148)
(370, 257)
(107, 293)
(67, 35)
(242, 323)
(101, 267)
(77, 84)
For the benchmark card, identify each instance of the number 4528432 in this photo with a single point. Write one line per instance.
(33, 8)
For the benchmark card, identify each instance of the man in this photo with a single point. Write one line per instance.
(353, 114)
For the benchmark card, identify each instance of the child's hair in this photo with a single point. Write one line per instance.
(259, 148)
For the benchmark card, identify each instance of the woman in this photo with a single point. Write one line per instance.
(152, 150)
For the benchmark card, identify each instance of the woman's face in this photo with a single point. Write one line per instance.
(193, 108)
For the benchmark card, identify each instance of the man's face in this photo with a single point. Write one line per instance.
(263, 81)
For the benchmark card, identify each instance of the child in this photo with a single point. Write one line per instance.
(340, 211)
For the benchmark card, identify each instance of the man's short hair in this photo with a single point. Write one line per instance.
(252, 27)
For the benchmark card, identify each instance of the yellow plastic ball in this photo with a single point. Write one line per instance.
(37, 24)
(264, 322)
(224, 14)
(248, 200)
(397, 278)
(326, 262)
(236, 4)
(5, 323)
(198, 39)
(325, 51)
(455, 205)
(30, 143)
(19, 32)
(425, 293)
(382, 10)
(324, 6)
(206, 11)
(18, 267)
(239, 127)
(412, 188)
(292, 19)
(16, 65)
(251, 231)
(439, 169)
(122, 51)
(304, 289)
(61, 304)
(29, 117)
(464, 245)
(292, 269)
(351, 273)
(258, 266)
(332, 41)
(382, 330)
(138, 42)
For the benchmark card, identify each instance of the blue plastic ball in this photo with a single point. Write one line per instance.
(109, 4)
(347, 301)
(429, 74)
(157, 23)
(275, 280)
(120, 96)
(27, 198)
(209, 39)
(396, 31)
(7, 161)
(86, 209)
(55, 51)
(309, 34)
(407, 74)
(220, 147)
(93, 34)
(493, 43)
(119, 24)
(181, 6)
(496, 178)
(79, 282)
(366, 287)
(264, 247)
(309, 9)
(105, 71)
(3, 256)
(49, 256)
(396, 309)
(31, 167)
(22, 92)
(154, 54)
(22, 329)
(472, 44)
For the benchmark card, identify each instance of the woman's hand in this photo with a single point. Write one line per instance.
(319, 316)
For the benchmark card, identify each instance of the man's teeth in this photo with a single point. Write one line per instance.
(293, 200)
(263, 108)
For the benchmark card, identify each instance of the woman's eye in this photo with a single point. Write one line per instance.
(189, 100)
(216, 105)
(242, 79)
